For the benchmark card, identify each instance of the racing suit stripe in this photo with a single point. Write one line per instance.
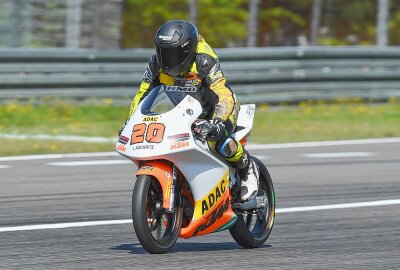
(166, 79)
(203, 47)
(144, 86)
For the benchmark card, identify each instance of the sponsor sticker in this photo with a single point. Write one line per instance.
(179, 136)
(121, 147)
(250, 111)
(168, 191)
(214, 197)
(179, 145)
(147, 168)
(165, 38)
(143, 147)
(123, 139)
(150, 119)
(186, 89)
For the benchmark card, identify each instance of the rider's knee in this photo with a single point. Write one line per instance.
(227, 147)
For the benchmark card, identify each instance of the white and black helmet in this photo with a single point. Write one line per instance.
(176, 42)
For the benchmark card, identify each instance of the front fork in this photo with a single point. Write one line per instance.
(172, 190)
(166, 174)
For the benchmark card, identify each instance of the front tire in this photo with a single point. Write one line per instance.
(251, 230)
(155, 229)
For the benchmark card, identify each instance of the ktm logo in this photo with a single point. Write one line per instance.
(213, 217)
(121, 148)
(179, 144)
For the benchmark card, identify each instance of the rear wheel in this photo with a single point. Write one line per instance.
(252, 228)
(156, 229)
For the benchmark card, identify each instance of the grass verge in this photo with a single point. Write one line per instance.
(309, 121)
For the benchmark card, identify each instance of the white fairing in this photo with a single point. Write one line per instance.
(196, 162)
(201, 169)
(245, 120)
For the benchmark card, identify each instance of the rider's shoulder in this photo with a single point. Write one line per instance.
(204, 63)
(204, 48)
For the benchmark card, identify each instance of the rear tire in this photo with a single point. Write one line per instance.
(155, 229)
(252, 230)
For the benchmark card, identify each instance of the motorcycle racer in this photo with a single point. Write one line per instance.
(183, 58)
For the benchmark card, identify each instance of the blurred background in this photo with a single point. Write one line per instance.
(317, 69)
(325, 72)
(225, 23)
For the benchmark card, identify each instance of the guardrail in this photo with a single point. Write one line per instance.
(274, 75)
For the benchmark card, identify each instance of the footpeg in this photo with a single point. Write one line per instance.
(258, 202)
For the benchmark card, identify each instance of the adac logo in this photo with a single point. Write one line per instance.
(150, 119)
(179, 144)
(213, 197)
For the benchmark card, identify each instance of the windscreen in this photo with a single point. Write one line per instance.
(163, 98)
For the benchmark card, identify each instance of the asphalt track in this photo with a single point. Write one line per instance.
(45, 191)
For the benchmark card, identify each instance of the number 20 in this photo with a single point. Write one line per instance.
(154, 134)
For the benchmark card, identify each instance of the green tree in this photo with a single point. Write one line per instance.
(141, 19)
(221, 22)
(349, 22)
(281, 22)
(394, 23)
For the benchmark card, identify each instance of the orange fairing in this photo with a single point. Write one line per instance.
(162, 171)
(211, 219)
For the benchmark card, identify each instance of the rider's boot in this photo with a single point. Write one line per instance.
(249, 174)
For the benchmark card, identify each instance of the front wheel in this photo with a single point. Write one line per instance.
(155, 229)
(253, 228)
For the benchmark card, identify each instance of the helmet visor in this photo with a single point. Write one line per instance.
(172, 57)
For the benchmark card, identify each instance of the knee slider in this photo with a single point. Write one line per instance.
(227, 147)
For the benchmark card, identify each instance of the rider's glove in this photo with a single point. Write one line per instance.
(201, 128)
(212, 130)
(218, 130)
(122, 128)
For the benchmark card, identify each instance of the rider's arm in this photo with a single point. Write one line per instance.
(210, 70)
(149, 81)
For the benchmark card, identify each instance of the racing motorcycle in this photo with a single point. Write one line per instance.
(183, 189)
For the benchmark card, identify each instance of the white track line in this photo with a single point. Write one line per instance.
(64, 225)
(249, 147)
(338, 155)
(323, 143)
(338, 206)
(57, 138)
(126, 221)
(58, 156)
(90, 163)
(4, 166)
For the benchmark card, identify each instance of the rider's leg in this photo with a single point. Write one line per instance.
(238, 157)
(249, 174)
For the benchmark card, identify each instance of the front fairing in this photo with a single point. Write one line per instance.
(159, 128)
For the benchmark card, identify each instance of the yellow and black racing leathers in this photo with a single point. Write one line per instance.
(215, 95)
